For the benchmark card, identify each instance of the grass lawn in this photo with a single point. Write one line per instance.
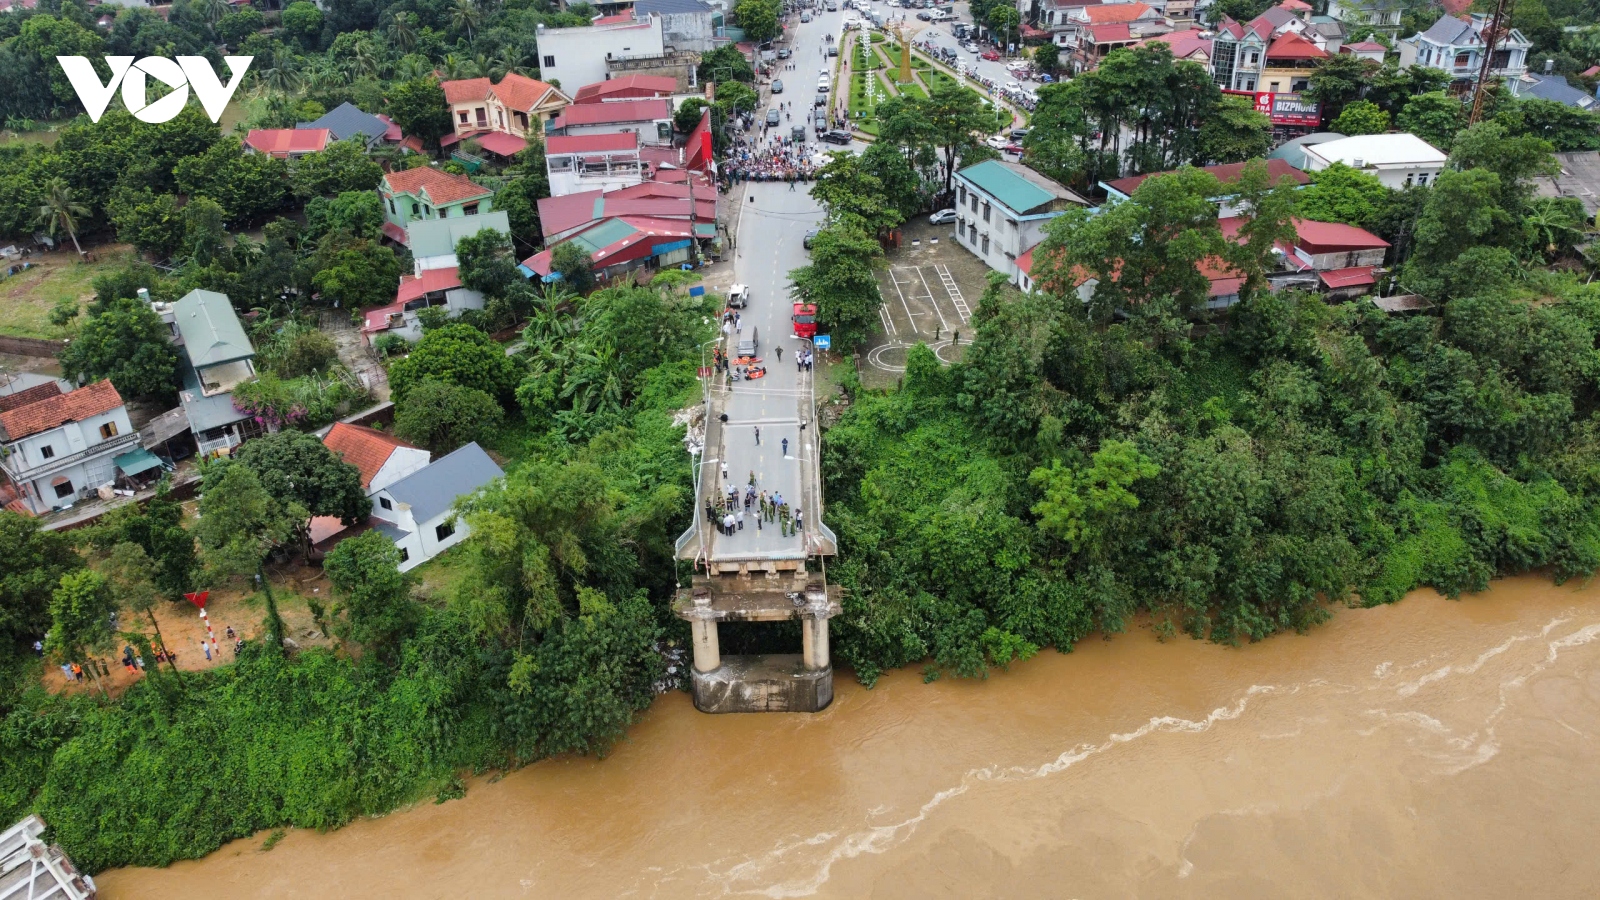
(892, 53)
(237, 111)
(27, 297)
(863, 108)
(913, 90)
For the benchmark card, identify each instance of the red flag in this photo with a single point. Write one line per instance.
(198, 599)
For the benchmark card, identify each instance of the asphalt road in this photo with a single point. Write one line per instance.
(770, 243)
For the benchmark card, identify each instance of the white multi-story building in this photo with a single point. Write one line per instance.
(58, 446)
(574, 57)
(1457, 45)
(1397, 160)
(1002, 209)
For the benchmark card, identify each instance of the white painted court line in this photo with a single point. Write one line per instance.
(955, 294)
(932, 302)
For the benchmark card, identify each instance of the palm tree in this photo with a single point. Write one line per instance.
(1553, 227)
(456, 68)
(411, 67)
(364, 60)
(214, 10)
(283, 77)
(466, 16)
(401, 32)
(60, 211)
(324, 76)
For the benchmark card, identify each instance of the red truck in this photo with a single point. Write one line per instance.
(805, 320)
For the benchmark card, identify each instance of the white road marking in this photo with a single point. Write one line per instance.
(945, 325)
(955, 294)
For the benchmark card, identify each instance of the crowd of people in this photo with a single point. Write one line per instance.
(764, 509)
(770, 158)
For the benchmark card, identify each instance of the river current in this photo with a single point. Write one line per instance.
(1432, 748)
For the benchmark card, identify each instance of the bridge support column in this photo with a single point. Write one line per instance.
(707, 652)
(817, 643)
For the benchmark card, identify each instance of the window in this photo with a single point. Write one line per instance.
(986, 243)
(549, 61)
(974, 202)
(471, 209)
(108, 431)
(404, 554)
(461, 116)
(482, 116)
(391, 205)
(1461, 58)
(427, 211)
(415, 209)
(986, 211)
(1254, 59)
(961, 195)
(1423, 178)
(384, 502)
(444, 531)
(1409, 176)
(64, 489)
(47, 451)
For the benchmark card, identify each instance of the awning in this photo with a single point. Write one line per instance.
(59, 480)
(395, 233)
(449, 140)
(135, 461)
(501, 144)
(1356, 276)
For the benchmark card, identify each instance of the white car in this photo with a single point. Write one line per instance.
(998, 141)
(942, 217)
(1013, 86)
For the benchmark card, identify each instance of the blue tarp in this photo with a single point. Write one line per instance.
(658, 249)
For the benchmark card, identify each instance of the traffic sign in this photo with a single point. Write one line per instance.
(822, 341)
(705, 372)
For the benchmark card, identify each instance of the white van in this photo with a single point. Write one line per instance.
(739, 296)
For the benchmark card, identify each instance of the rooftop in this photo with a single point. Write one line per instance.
(442, 188)
(1114, 12)
(620, 111)
(365, 448)
(347, 121)
(282, 142)
(438, 237)
(1229, 173)
(671, 7)
(1292, 46)
(465, 90)
(431, 281)
(49, 412)
(1018, 187)
(210, 329)
(599, 91)
(558, 144)
(525, 94)
(1377, 150)
(433, 489)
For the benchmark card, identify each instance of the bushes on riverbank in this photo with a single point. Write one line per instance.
(1065, 476)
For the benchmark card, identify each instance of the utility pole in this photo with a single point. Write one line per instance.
(1493, 30)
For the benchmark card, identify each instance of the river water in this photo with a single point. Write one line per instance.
(1432, 748)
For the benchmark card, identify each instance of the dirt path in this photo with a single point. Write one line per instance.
(353, 352)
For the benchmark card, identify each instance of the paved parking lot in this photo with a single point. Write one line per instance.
(930, 289)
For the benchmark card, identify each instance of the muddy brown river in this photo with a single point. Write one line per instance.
(1433, 748)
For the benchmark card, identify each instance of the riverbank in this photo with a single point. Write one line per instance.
(1395, 751)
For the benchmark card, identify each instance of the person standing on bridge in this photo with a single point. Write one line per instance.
(758, 435)
(785, 448)
(779, 351)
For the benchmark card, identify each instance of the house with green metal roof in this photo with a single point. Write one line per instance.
(217, 357)
(1002, 209)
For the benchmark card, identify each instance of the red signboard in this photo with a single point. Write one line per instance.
(705, 371)
(1285, 109)
(198, 599)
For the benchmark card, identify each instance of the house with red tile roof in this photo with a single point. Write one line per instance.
(650, 119)
(286, 143)
(1191, 44)
(516, 108)
(380, 457)
(1091, 32)
(1277, 170)
(428, 193)
(58, 446)
(627, 87)
(1370, 50)
(1291, 59)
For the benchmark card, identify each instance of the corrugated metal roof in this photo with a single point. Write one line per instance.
(438, 237)
(432, 489)
(999, 181)
(210, 328)
(348, 120)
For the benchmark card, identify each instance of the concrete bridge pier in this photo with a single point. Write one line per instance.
(778, 682)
